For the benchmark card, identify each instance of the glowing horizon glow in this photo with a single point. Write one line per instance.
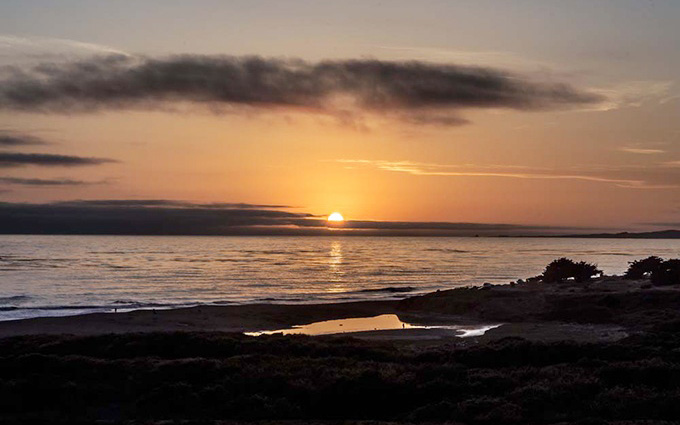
(336, 217)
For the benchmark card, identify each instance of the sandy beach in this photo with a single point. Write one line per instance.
(238, 318)
(606, 309)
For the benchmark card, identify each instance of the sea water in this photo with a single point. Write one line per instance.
(64, 275)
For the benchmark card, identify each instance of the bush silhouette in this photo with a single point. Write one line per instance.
(564, 268)
(639, 269)
(668, 273)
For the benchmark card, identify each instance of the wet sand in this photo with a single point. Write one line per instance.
(238, 318)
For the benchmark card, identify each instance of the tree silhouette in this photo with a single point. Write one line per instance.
(563, 268)
(639, 269)
(668, 273)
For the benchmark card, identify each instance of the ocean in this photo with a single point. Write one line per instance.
(67, 275)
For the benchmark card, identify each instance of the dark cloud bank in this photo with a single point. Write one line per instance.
(126, 203)
(163, 217)
(427, 92)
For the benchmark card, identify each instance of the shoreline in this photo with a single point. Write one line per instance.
(236, 318)
(608, 308)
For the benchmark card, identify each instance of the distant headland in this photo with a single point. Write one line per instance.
(661, 234)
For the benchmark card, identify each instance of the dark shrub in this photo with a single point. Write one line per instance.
(563, 268)
(668, 273)
(128, 379)
(639, 269)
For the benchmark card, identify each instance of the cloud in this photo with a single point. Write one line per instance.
(641, 151)
(634, 94)
(169, 217)
(505, 59)
(147, 217)
(10, 138)
(411, 90)
(499, 171)
(14, 49)
(15, 159)
(150, 203)
(434, 119)
(44, 182)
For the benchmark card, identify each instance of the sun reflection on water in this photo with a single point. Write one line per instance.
(335, 258)
(335, 268)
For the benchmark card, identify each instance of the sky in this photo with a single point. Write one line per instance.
(537, 116)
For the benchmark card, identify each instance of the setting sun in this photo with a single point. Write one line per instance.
(336, 216)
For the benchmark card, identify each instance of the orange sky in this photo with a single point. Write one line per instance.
(612, 163)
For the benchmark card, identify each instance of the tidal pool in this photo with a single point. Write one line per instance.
(377, 323)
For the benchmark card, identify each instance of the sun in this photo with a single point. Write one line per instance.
(336, 217)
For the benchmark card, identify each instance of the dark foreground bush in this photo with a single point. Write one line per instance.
(667, 273)
(204, 377)
(563, 269)
(660, 272)
(640, 269)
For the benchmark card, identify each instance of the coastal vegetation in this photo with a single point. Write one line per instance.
(584, 296)
(208, 376)
(640, 269)
(657, 270)
(564, 269)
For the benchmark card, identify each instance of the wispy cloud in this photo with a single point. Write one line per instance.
(15, 159)
(633, 94)
(427, 91)
(15, 49)
(45, 182)
(641, 151)
(512, 172)
(12, 138)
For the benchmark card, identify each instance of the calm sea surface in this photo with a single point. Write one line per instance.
(63, 275)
